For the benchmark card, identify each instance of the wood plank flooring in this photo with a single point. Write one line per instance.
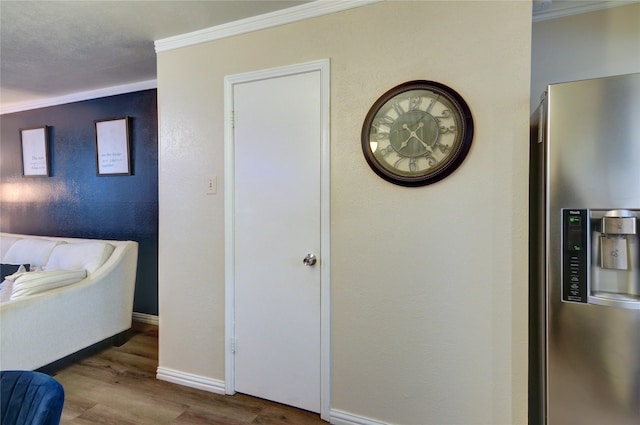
(118, 386)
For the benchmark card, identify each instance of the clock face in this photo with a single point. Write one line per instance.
(417, 133)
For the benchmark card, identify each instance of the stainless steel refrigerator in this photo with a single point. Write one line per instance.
(585, 255)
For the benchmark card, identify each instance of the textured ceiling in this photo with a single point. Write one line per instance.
(51, 49)
(54, 48)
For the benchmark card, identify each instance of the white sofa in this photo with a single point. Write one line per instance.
(83, 296)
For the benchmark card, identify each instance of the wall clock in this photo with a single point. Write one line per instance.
(417, 133)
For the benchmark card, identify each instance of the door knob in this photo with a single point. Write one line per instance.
(309, 260)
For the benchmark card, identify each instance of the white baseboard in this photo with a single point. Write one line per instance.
(190, 380)
(339, 417)
(149, 319)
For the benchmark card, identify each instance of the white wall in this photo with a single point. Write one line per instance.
(429, 285)
(590, 45)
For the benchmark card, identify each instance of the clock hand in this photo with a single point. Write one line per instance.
(412, 133)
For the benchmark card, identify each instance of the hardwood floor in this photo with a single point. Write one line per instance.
(117, 386)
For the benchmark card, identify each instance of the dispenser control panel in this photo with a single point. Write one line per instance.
(575, 224)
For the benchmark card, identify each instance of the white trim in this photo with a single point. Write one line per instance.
(325, 197)
(339, 417)
(78, 97)
(229, 240)
(268, 20)
(149, 319)
(567, 8)
(325, 239)
(190, 380)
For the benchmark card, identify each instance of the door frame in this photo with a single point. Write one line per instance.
(323, 66)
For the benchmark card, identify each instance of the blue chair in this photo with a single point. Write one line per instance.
(30, 398)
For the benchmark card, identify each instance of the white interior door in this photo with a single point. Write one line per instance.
(277, 216)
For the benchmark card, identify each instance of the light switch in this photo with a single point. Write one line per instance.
(212, 184)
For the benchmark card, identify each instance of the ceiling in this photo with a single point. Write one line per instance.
(50, 49)
(54, 48)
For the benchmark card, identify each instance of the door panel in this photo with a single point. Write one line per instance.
(277, 150)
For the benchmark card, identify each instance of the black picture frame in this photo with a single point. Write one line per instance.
(34, 145)
(113, 147)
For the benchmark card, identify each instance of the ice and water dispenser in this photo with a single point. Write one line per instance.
(601, 257)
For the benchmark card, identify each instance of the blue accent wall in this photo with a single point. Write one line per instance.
(74, 201)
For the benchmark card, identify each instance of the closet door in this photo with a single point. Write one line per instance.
(277, 162)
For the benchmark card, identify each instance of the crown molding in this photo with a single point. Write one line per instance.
(78, 97)
(268, 20)
(549, 9)
(543, 10)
